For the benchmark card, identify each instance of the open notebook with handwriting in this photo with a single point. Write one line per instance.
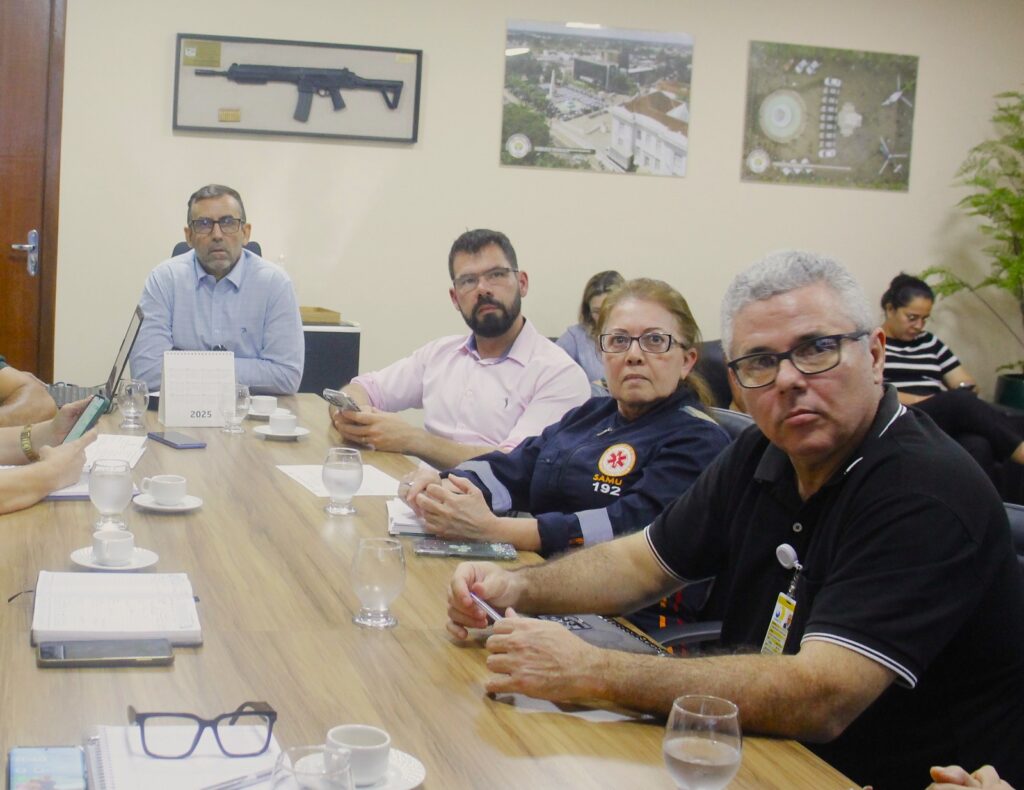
(116, 760)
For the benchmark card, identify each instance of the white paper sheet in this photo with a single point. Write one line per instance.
(403, 521)
(375, 482)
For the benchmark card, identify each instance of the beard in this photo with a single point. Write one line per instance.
(496, 323)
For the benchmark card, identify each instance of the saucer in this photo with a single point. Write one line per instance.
(147, 502)
(143, 559)
(266, 433)
(404, 773)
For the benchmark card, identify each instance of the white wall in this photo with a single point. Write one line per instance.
(365, 228)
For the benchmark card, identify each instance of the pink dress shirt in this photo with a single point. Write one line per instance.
(496, 402)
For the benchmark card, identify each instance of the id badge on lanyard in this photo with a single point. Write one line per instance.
(785, 605)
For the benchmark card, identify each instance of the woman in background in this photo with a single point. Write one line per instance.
(580, 341)
(928, 376)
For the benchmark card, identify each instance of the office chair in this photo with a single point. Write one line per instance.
(734, 422)
(711, 365)
(1015, 513)
(182, 247)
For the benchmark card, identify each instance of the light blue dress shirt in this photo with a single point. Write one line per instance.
(252, 311)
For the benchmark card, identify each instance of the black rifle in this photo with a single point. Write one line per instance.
(323, 82)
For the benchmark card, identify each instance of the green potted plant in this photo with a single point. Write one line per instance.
(994, 171)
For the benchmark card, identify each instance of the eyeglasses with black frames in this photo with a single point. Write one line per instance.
(817, 355)
(465, 283)
(245, 732)
(228, 225)
(651, 342)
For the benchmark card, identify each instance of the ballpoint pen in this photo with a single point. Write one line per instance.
(242, 781)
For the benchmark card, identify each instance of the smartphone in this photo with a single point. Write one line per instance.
(106, 653)
(34, 767)
(341, 399)
(177, 440)
(94, 409)
(493, 614)
(437, 547)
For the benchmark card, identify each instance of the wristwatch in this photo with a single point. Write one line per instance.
(26, 444)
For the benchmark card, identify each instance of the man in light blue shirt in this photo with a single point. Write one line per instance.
(221, 296)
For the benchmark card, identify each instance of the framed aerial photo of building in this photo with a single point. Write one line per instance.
(829, 117)
(261, 86)
(588, 97)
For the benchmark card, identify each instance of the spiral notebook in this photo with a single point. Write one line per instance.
(602, 631)
(116, 760)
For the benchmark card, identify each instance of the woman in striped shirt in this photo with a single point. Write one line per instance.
(928, 376)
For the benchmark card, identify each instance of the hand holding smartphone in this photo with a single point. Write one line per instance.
(94, 409)
(341, 399)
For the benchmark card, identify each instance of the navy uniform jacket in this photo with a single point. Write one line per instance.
(594, 475)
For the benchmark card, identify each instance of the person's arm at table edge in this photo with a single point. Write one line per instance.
(435, 450)
(813, 695)
(24, 398)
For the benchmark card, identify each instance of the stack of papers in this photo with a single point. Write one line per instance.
(403, 521)
(115, 447)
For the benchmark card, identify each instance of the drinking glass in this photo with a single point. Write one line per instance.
(703, 744)
(132, 400)
(234, 406)
(312, 768)
(378, 575)
(110, 490)
(342, 476)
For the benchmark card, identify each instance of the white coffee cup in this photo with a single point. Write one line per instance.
(166, 490)
(263, 404)
(283, 421)
(370, 748)
(113, 547)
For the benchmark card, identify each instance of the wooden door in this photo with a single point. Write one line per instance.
(31, 76)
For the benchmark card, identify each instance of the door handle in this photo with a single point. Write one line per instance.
(32, 248)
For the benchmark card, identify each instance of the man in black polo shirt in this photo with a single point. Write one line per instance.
(905, 645)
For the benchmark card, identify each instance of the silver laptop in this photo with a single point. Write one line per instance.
(68, 393)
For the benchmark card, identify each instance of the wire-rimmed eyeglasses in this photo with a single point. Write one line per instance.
(245, 732)
(465, 283)
(817, 355)
(652, 342)
(204, 225)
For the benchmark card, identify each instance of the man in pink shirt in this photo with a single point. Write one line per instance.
(494, 388)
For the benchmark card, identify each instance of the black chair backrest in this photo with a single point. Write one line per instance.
(711, 365)
(1015, 513)
(182, 247)
(734, 422)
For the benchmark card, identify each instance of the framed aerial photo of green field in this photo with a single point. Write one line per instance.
(584, 96)
(829, 117)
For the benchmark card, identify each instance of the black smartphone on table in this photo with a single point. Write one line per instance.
(94, 409)
(105, 653)
(177, 440)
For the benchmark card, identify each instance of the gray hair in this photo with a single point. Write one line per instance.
(213, 191)
(782, 272)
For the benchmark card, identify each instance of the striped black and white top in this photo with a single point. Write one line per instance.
(918, 366)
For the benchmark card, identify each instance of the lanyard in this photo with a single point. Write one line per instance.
(785, 605)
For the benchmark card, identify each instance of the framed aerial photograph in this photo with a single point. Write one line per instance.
(262, 86)
(829, 117)
(588, 97)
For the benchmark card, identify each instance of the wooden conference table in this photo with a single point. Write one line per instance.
(271, 570)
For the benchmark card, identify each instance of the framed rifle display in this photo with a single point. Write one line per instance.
(263, 86)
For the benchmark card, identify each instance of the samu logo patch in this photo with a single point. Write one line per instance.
(617, 461)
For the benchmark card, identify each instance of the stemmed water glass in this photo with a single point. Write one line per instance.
(307, 767)
(378, 575)
(110, 490)
(234, 406)
(703, 743)
(342, 476)
(132, 400)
